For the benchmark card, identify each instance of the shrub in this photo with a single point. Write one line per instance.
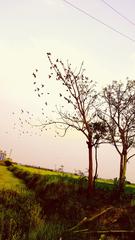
(8, 162)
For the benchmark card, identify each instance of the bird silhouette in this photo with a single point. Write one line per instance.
(34, 75)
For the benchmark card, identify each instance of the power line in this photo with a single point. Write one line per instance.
(99, 21)
(120, 14)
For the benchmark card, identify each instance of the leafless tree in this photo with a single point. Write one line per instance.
(80, 97)
(119, 117)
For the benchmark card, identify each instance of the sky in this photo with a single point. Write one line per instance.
(30, 29)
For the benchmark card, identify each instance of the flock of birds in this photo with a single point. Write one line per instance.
(24, 121)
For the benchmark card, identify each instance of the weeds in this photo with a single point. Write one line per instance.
(19, 214)
(64, 202)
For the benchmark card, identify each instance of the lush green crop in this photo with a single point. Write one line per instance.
(44, 171)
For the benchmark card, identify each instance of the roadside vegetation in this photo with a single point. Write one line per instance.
(70, 214)
(20, 213)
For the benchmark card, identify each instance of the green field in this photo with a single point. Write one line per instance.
(44, 171)
(9, 181)
(106, 184)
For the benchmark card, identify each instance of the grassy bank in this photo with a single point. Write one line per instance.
(68, 211)
(20, 213)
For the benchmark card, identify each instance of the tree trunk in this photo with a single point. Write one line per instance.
(121, 166)
(96, 166)
(122, 178)
(90, 171)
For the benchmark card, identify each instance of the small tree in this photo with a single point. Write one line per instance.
(81, 98)
(119, 117)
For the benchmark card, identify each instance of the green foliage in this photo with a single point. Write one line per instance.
(19, 215)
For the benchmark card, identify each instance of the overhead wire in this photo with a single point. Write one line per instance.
(120, 14)
(99, 21)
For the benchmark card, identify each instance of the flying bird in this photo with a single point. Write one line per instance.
(34, 75)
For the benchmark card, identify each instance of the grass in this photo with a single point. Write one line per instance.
(45, 171)
(8, 181)
(105, 184)
(108, 184)
(20, 213)
(64, 203)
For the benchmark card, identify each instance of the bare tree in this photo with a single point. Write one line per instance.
(81, 98)
(119, 117)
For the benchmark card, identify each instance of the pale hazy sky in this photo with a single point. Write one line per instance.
(29, 29)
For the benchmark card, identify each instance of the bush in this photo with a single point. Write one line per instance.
(8, 162)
